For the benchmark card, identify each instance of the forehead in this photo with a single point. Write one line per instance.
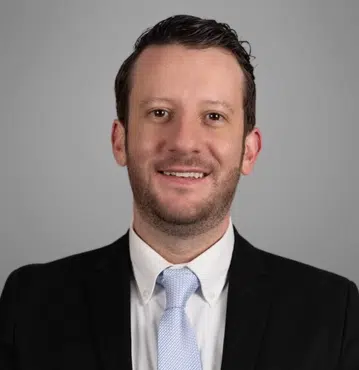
(180, 72)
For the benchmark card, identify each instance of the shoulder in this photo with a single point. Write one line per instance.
(295, 278)
(296, 271)
(283, 271)
(65, 271)
(289, 277)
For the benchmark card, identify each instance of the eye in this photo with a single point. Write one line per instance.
(159, 113)
(214, 116)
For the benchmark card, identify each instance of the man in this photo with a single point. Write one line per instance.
(181, 289)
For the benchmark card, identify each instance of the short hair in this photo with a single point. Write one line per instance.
(193, 32)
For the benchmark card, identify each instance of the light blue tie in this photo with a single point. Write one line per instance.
(177, 345)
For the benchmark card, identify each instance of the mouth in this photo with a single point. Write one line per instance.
(183, 178)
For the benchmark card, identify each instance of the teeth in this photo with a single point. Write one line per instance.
(185, 174)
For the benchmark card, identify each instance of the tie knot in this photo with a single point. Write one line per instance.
(179, 285)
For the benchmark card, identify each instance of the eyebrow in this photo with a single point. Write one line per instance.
(155, 100)
(222, 103)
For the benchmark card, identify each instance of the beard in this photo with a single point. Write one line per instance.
(183, 223)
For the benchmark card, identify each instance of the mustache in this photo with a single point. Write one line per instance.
(175, 160)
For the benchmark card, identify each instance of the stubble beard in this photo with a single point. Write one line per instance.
(213, 209)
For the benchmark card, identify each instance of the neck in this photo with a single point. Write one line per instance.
(175, 249)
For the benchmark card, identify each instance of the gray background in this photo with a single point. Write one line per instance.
(61, 191)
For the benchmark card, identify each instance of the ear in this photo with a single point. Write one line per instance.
(118, 141)
(252, 147)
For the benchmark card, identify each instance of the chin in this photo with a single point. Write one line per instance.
(178, 214)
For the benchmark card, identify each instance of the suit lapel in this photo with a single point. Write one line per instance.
(247, 307)
(108, 290)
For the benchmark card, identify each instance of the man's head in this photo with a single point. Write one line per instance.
(186, 101)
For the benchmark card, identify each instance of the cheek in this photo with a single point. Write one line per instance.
(228, 153)
(141, 147)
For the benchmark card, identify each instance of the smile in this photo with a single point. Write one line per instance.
(196, 175)
(183, 178)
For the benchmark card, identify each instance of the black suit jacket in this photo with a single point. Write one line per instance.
(74, 314)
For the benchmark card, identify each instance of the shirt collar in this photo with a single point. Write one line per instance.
(211, 266)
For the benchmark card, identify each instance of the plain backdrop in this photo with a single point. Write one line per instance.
(62, 193)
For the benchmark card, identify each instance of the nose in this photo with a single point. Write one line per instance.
(184, 135)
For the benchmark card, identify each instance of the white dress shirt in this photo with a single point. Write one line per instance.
(206, 309)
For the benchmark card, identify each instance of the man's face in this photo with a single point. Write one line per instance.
(185, 114)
